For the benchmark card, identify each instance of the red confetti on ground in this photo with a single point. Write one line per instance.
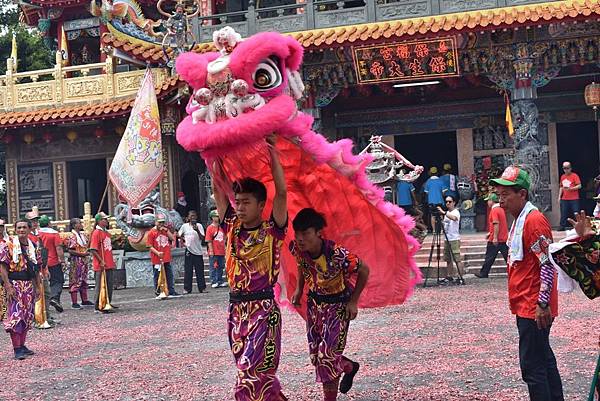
(450, 344)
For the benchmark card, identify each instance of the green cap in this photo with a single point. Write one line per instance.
(44, 221)
(492, 196)
(100, 216)
(213, 213)
(432, 170)
(513, 176)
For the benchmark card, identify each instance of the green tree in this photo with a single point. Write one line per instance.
(32, 54)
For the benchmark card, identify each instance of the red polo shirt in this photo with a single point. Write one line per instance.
(497, 215)
(101, 242)
(161, 242)
(51, 240)
(524, 276)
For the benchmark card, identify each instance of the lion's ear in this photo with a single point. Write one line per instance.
(192, 67)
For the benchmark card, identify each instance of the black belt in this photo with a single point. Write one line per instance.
(340, 297)
(236, 297)
(19, 276)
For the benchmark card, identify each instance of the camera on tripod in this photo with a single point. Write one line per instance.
(434, 211)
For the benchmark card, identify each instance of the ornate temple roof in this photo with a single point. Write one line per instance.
(54, 115)
(496, 18)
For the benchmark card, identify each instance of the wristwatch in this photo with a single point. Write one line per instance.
(543, 305)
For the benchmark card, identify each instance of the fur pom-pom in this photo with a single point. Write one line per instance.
(192, 67)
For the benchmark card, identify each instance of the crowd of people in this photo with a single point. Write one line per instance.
(35, 259)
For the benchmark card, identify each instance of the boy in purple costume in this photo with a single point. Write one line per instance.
(19, 259)
(332, 301)
(252, 266)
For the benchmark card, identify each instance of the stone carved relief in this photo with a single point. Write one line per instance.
(341, 17)
(399, 10)
(282, 24)
(43, 204)
(85, 88)
(128, 83)
(531, 151)
(35, 178)
(452, 6)
(139, 269)
(34, 94)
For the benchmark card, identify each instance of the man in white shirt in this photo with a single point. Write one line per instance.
(452, 245)
(192, 233)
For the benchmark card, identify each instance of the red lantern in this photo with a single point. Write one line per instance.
(47, 137)
(99, 133)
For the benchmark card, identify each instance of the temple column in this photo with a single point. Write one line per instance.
(531, 146)
(531, 136)
(12, 193)
(60, 191)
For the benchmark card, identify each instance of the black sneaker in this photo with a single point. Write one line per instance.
(479, 275)
(20, 354)
(459, 281)
(87, 303)
(348, 378)
(76, 306)
(27, 351)
(57, 305)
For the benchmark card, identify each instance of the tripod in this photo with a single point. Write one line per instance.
(436, 244)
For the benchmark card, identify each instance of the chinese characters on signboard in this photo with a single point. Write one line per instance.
(407, 61)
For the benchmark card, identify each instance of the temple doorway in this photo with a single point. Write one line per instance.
(578, 143)
(429, 150)
(87, 180)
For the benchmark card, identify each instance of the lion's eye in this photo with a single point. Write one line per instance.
(266, 76)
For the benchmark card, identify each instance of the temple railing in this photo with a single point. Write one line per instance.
(21, 91)
(301, 15)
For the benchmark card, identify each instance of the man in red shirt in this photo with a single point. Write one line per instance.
(159, 240)
(51, 241)
(102, 258)
(215, 238)
(496, 237)
(532, 283)
(568, 195)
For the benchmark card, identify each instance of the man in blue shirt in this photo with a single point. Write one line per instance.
(449, 180)
(405, 196)
(434, 187)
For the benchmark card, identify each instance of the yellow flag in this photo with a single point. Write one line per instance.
(13, 53)
(508, 118)
(64, 47)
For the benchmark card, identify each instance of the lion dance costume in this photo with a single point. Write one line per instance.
(249, 90)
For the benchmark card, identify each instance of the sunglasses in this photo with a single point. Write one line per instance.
(566, 168)
(449, 201)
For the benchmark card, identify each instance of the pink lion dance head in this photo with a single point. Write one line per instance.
(241, 94)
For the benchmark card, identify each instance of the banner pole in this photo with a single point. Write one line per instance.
(103, 196)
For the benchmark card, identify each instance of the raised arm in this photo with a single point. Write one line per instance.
(220, 197)
(280, 199)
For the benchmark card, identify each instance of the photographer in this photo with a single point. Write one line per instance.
(452, 244)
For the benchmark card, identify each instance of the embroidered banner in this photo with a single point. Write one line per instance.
(137, 167)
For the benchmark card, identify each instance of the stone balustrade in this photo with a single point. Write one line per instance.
(72, 85)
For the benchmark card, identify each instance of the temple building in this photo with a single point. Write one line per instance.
(431, 77)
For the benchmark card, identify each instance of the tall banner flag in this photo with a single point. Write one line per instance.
(137, 167)
(64, 47)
